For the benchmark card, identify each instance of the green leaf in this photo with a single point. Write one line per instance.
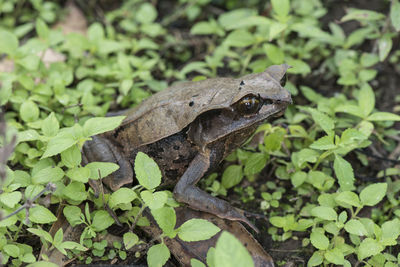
(59, 143)
(350, 135)
(367, 75)
(274, 53)
(12, 250)
(29, 111)
(146, 13)
(101, 168)
(298, 66)
(75, 191)
(102, 220)
(310, 94)
(50, 125)
(165, 218)
(206, 27)
(29, 62)
(324, 143)
(281, 7)
(42, 264)
(351, 109)
(232, 176)
(327, 124)
(325, 213)
(344, 173)
(71, 157)
(304, 155)
(49, 174)
(122, 196)
(147, 171)
(73, 215)
(240, 38)
(355, 227)
(40, 214)
(196, 263)
(196, 230)
(275, 28)
(230, 20)
(154, 200)
(366, 99)
(125, 86)
(130, 239)
(72, 245)
(391, 229)
(28, 135)
(362, 15)
(298, 178)
(368, 247)
(316, 259)
(369, 59)
(229, 252)
(373, 194)
(79, 174)
(394, 14)
(157, 255)
(348, 198)
(100, 125)
(273, 141)
(319, 240)
(384, 45)
(255, 163)
(383, 116)
(9, 43)
(10, 199)
(335, 256)
(41, 233)
(42, 29)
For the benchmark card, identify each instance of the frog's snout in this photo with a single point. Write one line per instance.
(286, 98)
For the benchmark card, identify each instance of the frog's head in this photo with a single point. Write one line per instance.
(257, 97)
(263, 94)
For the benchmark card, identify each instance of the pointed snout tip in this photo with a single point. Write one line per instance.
(287, 98)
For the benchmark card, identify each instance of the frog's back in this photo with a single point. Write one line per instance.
(169, 111)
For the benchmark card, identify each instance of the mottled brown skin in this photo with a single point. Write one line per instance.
(188, 129)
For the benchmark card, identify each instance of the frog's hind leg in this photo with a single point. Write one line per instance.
(185, 191)
(103, 150)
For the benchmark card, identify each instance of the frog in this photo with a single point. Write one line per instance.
(188, 129)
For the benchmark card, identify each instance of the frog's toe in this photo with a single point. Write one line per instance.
(239, 215)
(254, 215)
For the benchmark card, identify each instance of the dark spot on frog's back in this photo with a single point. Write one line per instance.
(191, 103)
(242, 83)
(168, 113)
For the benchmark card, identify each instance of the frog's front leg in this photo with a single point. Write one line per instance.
(102, 149)
(185, 191)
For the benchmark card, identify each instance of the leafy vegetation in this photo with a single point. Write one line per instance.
(326, 174)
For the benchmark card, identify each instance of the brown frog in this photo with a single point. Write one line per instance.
(188, 129)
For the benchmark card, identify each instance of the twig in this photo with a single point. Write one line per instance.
(105, 205)
(29, 203)
(377, 157)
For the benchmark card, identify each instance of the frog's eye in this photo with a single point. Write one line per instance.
(283, 80)
(249, 105)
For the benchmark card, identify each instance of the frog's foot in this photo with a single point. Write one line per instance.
(254, 215)
(236, 214)
(103, 150)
